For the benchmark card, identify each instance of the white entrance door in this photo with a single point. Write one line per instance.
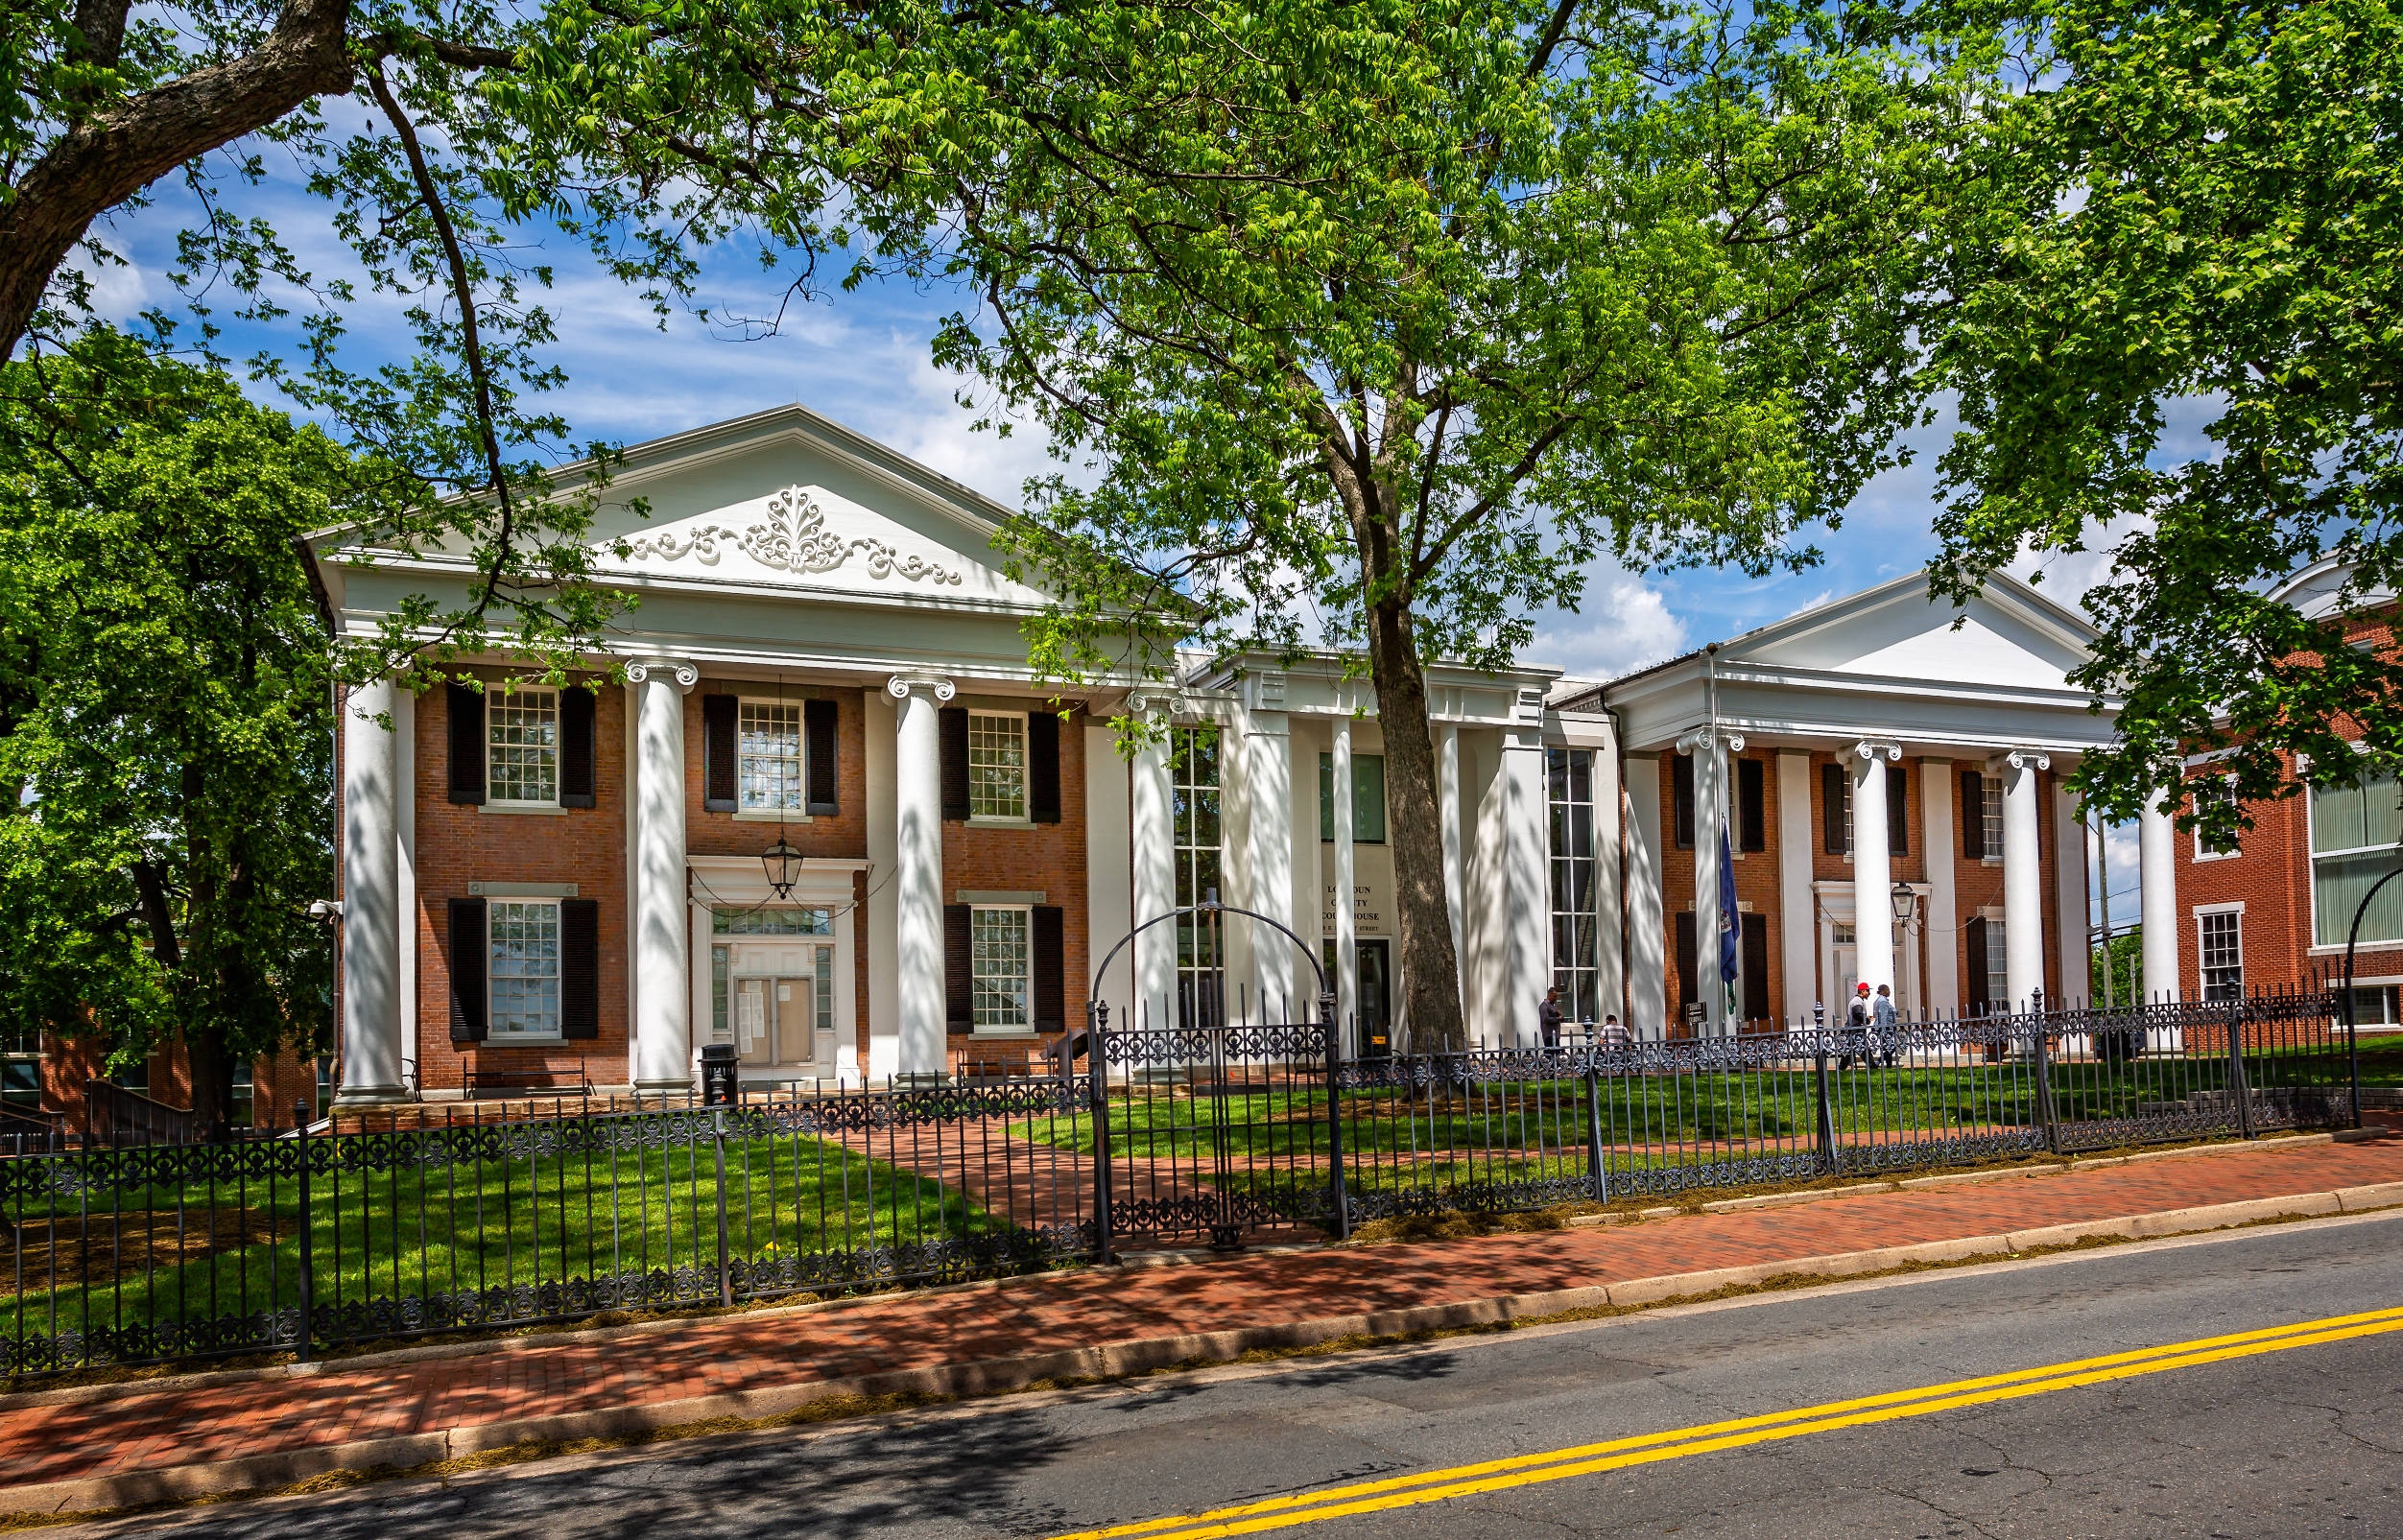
(784, 1020)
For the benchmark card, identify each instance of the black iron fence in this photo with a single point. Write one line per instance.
(1218, 1136)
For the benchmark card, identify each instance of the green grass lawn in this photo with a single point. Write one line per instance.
(539, 1227)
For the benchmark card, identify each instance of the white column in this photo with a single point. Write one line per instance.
(1647, 967)
(2070, 895)
(663, 1043)
(1873, 869)
(917, 873)
(1152, 808)
(1608, 900)
(1797, 922)
(880, 723)
(1269, 873)
(1941, 839)
(1447, 769)
(1345, 880)
(2023, 876)
(1710, 821)
(371, 899)
(2156, 896)
(1527, 856)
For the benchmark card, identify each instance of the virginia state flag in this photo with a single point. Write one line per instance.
(1729, 922)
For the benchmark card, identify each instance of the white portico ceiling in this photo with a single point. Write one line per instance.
(1891, 662)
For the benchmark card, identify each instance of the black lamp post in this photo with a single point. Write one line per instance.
(783, 865)
(1906, 903)
(2352, 1032)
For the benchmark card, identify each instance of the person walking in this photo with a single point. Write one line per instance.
(1884, 1026)
(1548, 1017)
(1614, 1034)
(1857, 1017)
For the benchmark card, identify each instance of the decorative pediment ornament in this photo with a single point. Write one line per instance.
(792, 537)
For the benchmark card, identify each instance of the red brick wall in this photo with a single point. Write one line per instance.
(2271, 876)
(1048, 856)
(458, 844)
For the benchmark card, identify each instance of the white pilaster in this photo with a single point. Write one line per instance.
(1647, 969)
(1268, 872)
(663, 1044)
(1797, 918)
(1108, 863)
(1447, 770)
(917, 873)
(2023, 877)
(1347, 919)
(2156, 896)
(1940, 839)
(1709, 752)
(1152, 810)
(1873, 867)
(881, 724)
(1528, 862)
(370, 895)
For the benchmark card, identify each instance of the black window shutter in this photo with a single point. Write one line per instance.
(820, 719)
(466, 962)
(955, 764)
(1972, 816)
(1682, 799)
(958, 969)
(1975, 933)
(1751, 800)
(1686, 992)
(466, 708)
(1756, 968)
(718, 783)
(576, 769)
(1042, 767)
(1051, 968)
(1831, 806)
(580, 967)
(1897, 811)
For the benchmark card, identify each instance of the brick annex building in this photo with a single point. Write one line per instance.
(826, 687)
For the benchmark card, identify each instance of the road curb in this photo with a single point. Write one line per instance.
(1123, 1359)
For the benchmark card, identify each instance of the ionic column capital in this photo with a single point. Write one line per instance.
(1876, 748)
(902, 686)
(1154, 700)
(2021, 759)
(685, 674)
(1702, 737)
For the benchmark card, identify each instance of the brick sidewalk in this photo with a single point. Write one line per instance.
(185, 1425)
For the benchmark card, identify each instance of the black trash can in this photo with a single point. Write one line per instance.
(719, 1074)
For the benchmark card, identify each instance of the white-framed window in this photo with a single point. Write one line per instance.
(1576, 919)
(767, 757)
(524, 975)
(997, 764)
(770, 920)
(21, 1068)
(1001, 947)
(2222, 937)
(2356, 838)
(1997, 950)
(1197, 804)
(2217, 791)
(523, 728)
(1990, 805)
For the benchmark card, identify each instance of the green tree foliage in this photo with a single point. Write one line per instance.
(1368, 319)
(166, 749)
(2198, 216)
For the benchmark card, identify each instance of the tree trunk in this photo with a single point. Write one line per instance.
(1414, 825)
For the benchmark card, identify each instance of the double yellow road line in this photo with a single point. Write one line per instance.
(1645, 1449)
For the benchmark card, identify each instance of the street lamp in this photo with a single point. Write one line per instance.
(783, 865)
(1906, 903)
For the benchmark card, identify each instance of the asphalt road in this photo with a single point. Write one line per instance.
(2293, 1440)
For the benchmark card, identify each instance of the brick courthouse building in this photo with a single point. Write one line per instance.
(827, 659)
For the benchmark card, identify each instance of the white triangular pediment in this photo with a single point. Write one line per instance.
(806, 535)
(1900, 634)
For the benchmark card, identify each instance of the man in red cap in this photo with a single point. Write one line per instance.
(1856, 1028)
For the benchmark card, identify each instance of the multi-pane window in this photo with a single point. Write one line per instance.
(2222, 954)
(1992, 801)
(2217, 791)
(1367, 798)
(1575, 924)
(21, 1068)
(767, 757)
(767, 921)
(996, 765)
(1001, 947)
(524, 728)
(525, 974)
(1193, 800)
(1998, 965)
(720, 971)
(2356, 838)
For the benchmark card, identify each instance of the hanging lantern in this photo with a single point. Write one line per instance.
(783, 865)
(1906, 902)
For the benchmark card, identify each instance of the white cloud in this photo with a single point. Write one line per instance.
(1623, 624)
